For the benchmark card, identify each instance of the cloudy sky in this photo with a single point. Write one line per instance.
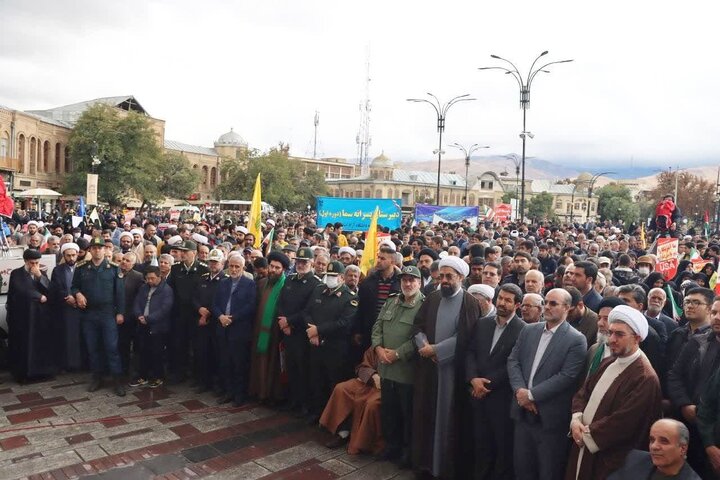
(642, 89)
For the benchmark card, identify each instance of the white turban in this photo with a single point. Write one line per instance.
(359, 253)
(389, 244)
(456, 263)
(33, 222)
(68, 246)
(137, 231)
(634, 319)
(485, 290)
(349, 250)
(200, 238)
(175, 240)
(126, 234)
(242, 230)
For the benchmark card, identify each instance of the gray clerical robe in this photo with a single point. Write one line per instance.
(441, 408)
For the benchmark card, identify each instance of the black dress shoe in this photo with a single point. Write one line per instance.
(336, 442)
(239, 402)
(224, 399)
(119, 388)
(313, 420)
(389, 455)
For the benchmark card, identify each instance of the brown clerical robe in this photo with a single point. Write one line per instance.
(457, 438)
(265, 381)
(622, 422)
(357, 397)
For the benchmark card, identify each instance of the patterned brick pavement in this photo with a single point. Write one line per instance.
(56, 430)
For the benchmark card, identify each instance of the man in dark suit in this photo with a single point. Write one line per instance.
(544, 368)
(234, 310)
(72, 354)
(486, 369)
(655, 302)
(132, 280)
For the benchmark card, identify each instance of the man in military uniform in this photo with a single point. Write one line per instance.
(205, 351)
(392, 339)
(185, 279)
(294, 297)
(329, 316)
(100, 295)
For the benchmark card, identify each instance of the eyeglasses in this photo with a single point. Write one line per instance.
(530, 306)
(693, 303)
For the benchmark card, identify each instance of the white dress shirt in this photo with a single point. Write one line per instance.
(545, 338)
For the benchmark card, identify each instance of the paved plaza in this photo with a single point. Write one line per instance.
(56, 430)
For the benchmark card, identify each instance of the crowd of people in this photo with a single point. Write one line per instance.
(497, 352)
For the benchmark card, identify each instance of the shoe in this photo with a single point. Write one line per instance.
(239, 402)
(313, 420)
(219, 392)
(95, 383)
(175, 380)
(225, 399)
(201, 389)
(155, 383)
(301, 413)
(403, 462)
(138, 382)
(336, 442)
(119, 388)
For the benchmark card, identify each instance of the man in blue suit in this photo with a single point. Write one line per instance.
(234, 310)
(544, 368)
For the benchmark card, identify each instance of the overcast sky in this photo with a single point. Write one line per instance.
(642, 87)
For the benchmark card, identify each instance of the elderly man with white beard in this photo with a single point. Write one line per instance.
(613, 411)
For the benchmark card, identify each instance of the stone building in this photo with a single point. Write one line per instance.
(34, 148)
(384, 180)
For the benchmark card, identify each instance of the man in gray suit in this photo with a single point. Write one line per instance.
(544, 368)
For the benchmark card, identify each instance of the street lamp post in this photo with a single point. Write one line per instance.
(441, 111)
(525, 84)
(468, 152)
(591, 183)
(517, 162)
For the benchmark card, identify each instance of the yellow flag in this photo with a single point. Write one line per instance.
(370, 251)
(255, 223)
(643, 239)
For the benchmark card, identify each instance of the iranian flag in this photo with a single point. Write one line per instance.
(706, 224)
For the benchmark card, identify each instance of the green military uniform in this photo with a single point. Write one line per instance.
(332, 311)
(394, 330)
(104, 291)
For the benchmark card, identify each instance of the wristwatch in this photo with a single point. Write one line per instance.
(397, 355)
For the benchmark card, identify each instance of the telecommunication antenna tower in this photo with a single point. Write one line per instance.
(362, 138)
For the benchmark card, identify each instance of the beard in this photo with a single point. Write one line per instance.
(447, 290)
(409, 292)
(603, 338)
(425, 272)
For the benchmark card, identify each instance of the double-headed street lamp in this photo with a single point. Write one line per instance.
(591, 183)
(525, 84)
(441, 111)
(468, 152)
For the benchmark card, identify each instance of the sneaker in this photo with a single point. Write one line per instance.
(138, 382)
(155, 383)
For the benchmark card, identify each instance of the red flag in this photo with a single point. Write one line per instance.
(707, 217)
(7, 205)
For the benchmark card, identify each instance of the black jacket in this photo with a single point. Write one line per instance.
(692, 370)
(367, 311)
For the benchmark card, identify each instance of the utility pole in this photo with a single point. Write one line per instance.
(317, 122)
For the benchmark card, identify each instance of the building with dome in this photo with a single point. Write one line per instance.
(34, 148)
(384, 180)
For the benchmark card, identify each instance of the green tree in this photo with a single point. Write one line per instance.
(616, 203)
(540, 206)
(172, 177)
(285, 183)
(695, 194)
(507, 196)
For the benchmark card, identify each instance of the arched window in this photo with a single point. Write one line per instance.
(58, 148)
(21, 153)
(33, 155)
(205, 175)
(68, 160)
(46, 156)
(378, 193)
(213, 177)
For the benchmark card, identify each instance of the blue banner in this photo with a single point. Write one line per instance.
(355, 213)
(438, 213)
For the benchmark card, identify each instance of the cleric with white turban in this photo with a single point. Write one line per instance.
(68, 246)
(633, 318)
(456, 263)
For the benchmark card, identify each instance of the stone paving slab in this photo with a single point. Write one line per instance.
(165, 434)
